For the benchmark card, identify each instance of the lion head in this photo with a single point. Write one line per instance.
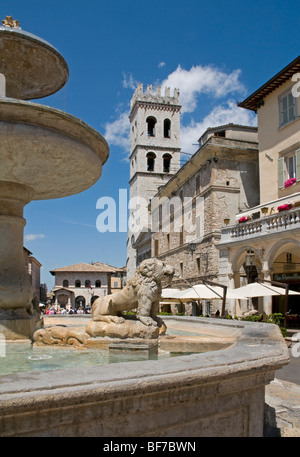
(156, 270)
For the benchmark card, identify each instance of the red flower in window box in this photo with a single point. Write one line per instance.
(285, 206)
(289, 182)
(244, 219)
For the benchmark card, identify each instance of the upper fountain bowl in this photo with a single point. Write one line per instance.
(32, 67)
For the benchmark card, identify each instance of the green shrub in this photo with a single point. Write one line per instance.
(283, 331)
(255, 318)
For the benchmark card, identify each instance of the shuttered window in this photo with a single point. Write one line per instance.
(287, 108)
(288, 167)
(297, 156)
(280, 172)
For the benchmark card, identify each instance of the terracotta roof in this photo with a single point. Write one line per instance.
(284, 75)
(88, 267)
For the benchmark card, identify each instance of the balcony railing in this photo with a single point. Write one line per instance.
(284, 220)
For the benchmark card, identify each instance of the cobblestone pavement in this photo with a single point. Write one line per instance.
(282, 410)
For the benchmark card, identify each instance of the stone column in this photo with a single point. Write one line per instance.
(267, 301)
(16, 315)
(235, 309)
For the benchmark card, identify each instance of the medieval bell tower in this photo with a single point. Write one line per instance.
(154, 153)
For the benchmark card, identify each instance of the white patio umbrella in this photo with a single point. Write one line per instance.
(257, 289)
(200, 292)
(216, 292)
(177, 295)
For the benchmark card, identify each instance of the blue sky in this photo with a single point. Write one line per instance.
(216, 53)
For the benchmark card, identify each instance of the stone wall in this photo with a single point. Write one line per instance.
(214, 186)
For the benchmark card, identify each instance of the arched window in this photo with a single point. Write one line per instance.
(87, 283)
(77, 283)
(167, 128)
(151, 121)
(65, 283)
(79, 301)
(150, 161)
(166, 162)
(98, 283)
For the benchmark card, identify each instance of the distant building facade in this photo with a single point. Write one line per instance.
(33, 268)
(80, 284)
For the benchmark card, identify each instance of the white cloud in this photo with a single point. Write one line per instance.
(208, 81)
(117, 132)
(226, 113)
(129, 82)
(33, 236)
(202, 80)
(161, 64)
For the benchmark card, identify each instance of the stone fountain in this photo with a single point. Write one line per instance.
(45, 153)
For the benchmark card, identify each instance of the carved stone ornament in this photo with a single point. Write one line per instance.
(10, 22)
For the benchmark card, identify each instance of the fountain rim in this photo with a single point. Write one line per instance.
(21, 111)
(17, 31)
(258, 346)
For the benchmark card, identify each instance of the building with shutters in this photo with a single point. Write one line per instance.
(267, 245)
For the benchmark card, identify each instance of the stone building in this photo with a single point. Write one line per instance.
(33, 268)
(188, 212)
(80, 284)
(267, 246)
(154, 158)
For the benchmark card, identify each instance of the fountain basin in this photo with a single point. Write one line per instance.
(219, 393)
(35, 70)
(54, 153)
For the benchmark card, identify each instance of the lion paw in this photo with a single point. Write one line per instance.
(117, 320)
(147, 320)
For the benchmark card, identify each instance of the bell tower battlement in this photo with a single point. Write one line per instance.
(157, 97)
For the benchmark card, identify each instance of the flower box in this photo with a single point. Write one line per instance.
(285, 206)
(289, 182)
(244, 219)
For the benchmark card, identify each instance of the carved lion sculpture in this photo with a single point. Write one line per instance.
(142, 292)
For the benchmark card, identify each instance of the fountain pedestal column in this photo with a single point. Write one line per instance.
(45, 153)
(16, 317)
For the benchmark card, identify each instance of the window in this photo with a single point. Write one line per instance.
(291, 166)
(65, 283)
(167, 128)
(151, 121)
(181, 236)
(166, 162)
(198, 265)
(87, 283)
(287, 108)
(289, 169)
(156, 247)
(77, 283)
(98, 283)
(181, 269)
(150, 161)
